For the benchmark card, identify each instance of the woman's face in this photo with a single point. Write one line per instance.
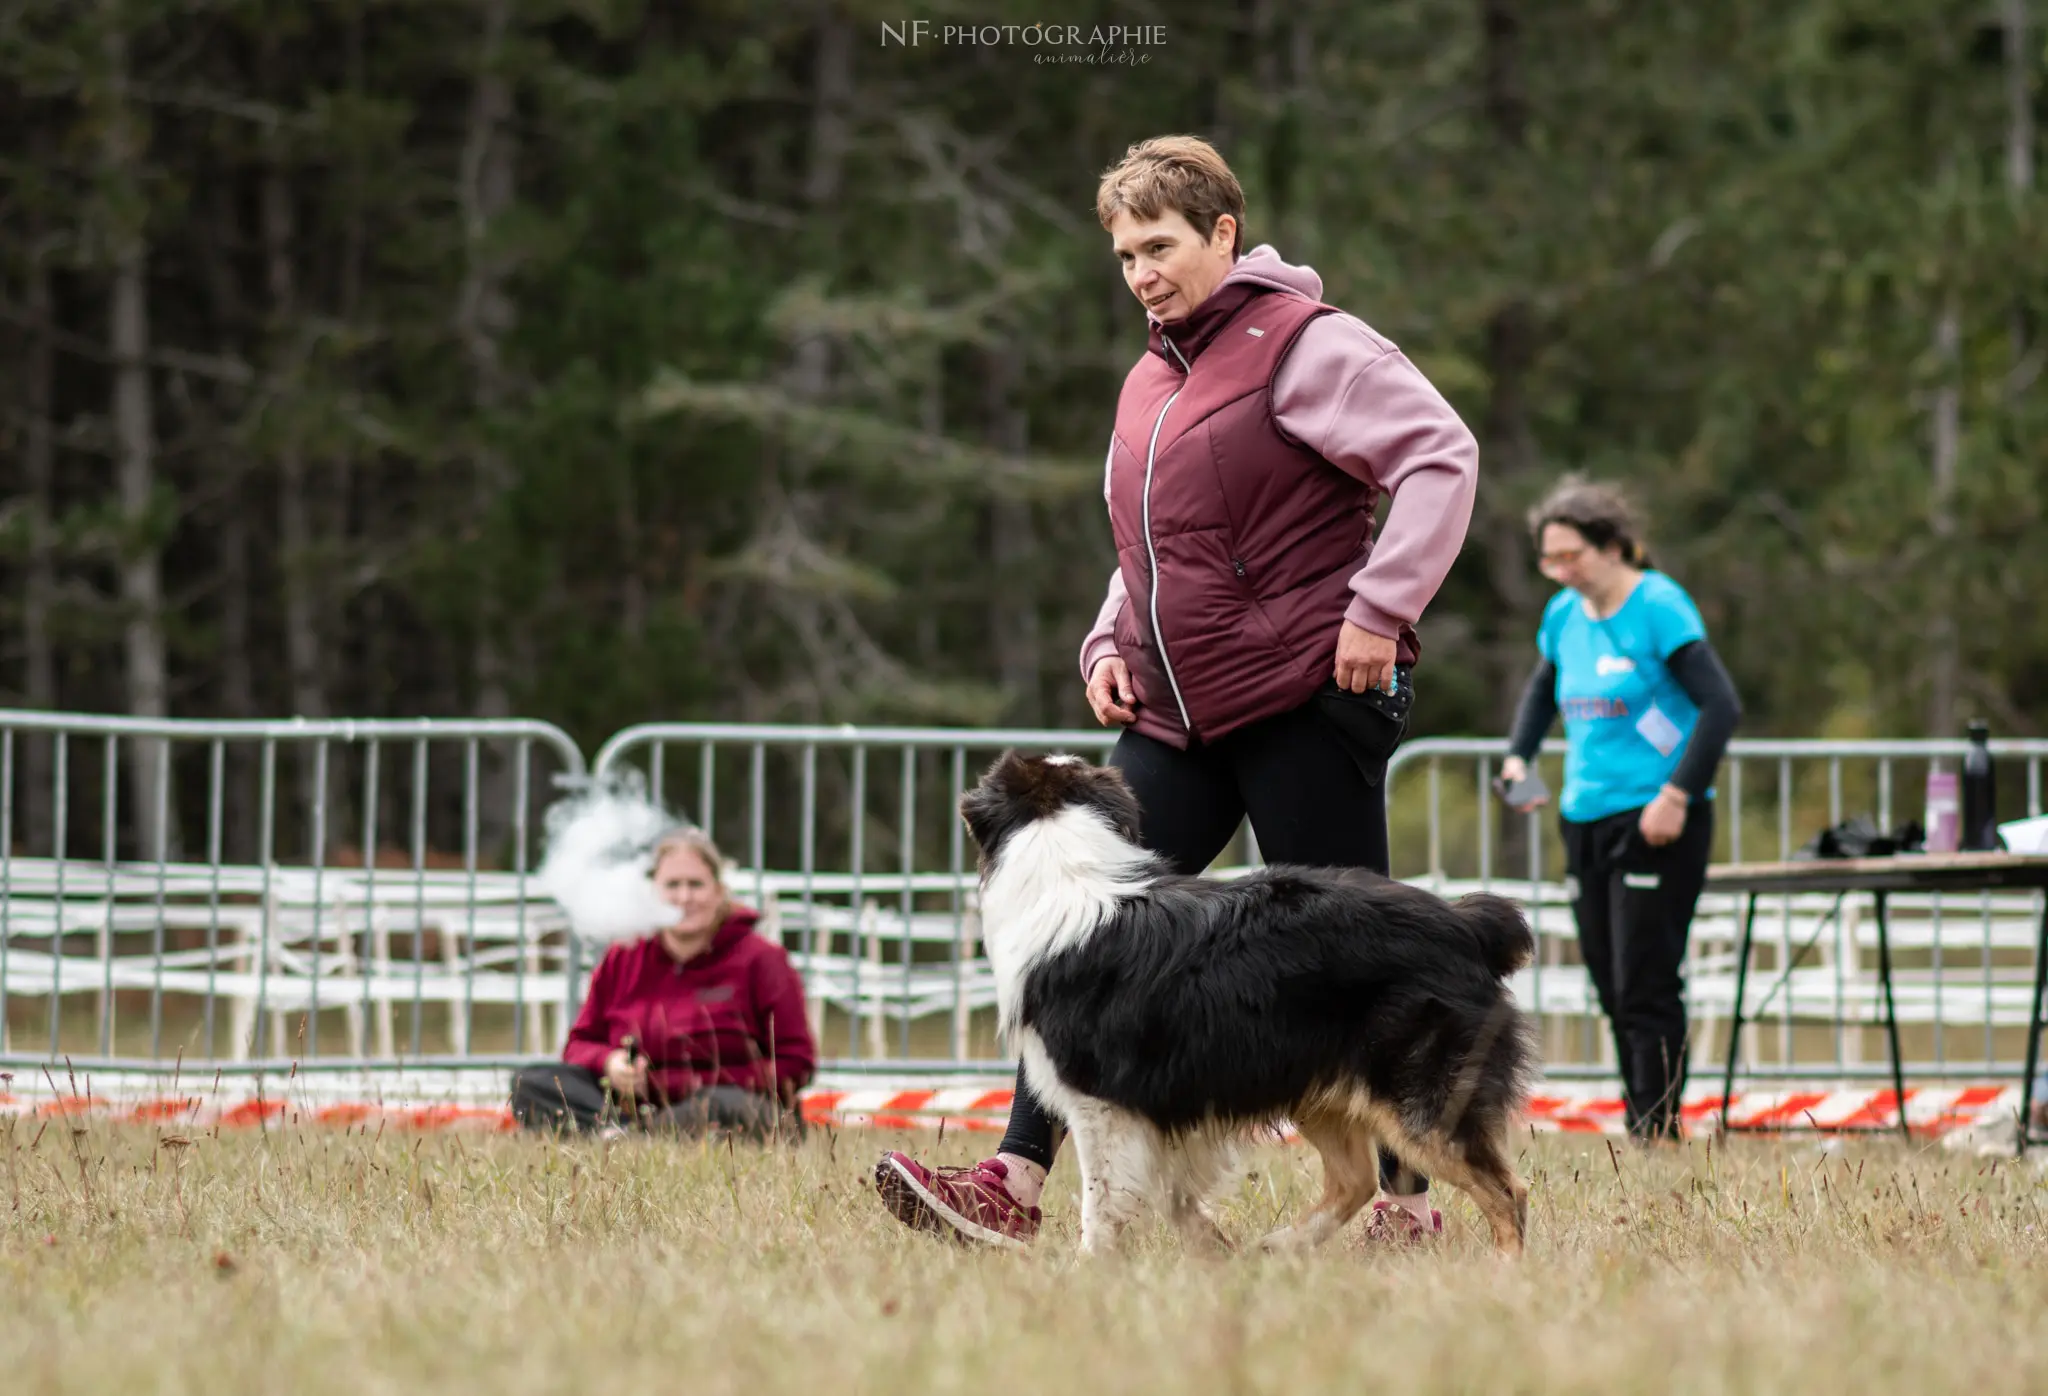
(1169, 266)
(686, 882)
(1569, 560)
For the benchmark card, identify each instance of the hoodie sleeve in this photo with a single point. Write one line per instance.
(779, 999)
(1356, 400)
(1101, 640)
(589, 1040)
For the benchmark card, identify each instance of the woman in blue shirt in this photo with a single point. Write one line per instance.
(1648, 709)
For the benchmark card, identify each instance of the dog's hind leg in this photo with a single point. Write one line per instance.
(1476, 1163)
(1351, 1175)
(1199, 1165)
(1503, 1197)
(1197, 1225)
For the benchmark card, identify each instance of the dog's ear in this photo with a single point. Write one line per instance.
(994, 793)
(978, 807)
(1112, 794)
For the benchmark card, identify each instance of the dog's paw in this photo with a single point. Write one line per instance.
(1287, 1238)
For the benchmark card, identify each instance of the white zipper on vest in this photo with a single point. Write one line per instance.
(1151, 553)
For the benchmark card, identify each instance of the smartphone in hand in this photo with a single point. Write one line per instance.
(1522, 793)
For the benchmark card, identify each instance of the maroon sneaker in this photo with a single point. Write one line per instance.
(971, 1205)
(1391, 1224)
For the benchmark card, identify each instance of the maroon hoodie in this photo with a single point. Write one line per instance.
(732, 1016)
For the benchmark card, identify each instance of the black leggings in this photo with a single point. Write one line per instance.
(559, 1097)
(1308, 803)
(1634, 905)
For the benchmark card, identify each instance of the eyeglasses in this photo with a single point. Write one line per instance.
(1563, 557)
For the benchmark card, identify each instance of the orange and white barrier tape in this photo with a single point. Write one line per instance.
(475, 1101)
(1558, 1107)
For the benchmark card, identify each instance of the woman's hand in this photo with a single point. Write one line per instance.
(624, 1075)
(1663, 819)
(1364, 660)
(1513, 771)
(1109, 692)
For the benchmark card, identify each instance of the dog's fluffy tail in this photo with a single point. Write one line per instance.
(1499, 930)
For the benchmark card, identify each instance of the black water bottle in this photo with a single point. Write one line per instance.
(1980, 791)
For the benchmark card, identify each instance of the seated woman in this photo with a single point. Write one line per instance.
(699, 1026)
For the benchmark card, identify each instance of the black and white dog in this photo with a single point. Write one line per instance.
(1168, 1018)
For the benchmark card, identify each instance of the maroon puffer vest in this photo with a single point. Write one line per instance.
(1253, 538)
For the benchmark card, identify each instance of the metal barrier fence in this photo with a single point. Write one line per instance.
(292, 872)
(851, 846)
(870, 885)
(1962, 964)
(213, 914)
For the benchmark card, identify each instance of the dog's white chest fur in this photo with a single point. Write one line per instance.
(1054, 883)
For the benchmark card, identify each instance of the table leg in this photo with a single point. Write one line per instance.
(1891, 1012)
(1735, 1013)
(2034, 1031)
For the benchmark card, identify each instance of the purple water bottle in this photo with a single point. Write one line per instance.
(1944, 816)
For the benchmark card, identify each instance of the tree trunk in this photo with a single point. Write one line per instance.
(483, 317)
(299, 564)
(297, 547)
(1013, 548)
(807, 376)
(1507, 441)
(39, 593)
(2019, 158)
(237, 665)
(135, 440)
(632, 577)
(234, 582)
(354, 236)
(1943, 659)
(353, 682)
(831, 135)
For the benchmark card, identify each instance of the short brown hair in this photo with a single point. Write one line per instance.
(1181, 173)
(1600, 512)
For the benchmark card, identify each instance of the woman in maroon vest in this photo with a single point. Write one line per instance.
(698, 1026)
(1256, 642)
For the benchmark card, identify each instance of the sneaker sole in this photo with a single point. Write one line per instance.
(918, 1208)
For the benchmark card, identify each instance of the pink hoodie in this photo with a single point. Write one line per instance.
(1349, 395)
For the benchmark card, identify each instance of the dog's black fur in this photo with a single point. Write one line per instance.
(1204, 1001)
(1195, 1004)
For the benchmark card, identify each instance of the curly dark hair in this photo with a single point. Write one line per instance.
(1600, 512)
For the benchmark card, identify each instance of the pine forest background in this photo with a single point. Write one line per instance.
(604, 362)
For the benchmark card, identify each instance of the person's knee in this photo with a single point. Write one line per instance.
(736, 1105)
(537, 1101)
(540, 1083)
(1656, 988)
(1653, 1012)
(553, 1081)
(729, 1109)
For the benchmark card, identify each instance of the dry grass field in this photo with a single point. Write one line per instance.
(309, 1261)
